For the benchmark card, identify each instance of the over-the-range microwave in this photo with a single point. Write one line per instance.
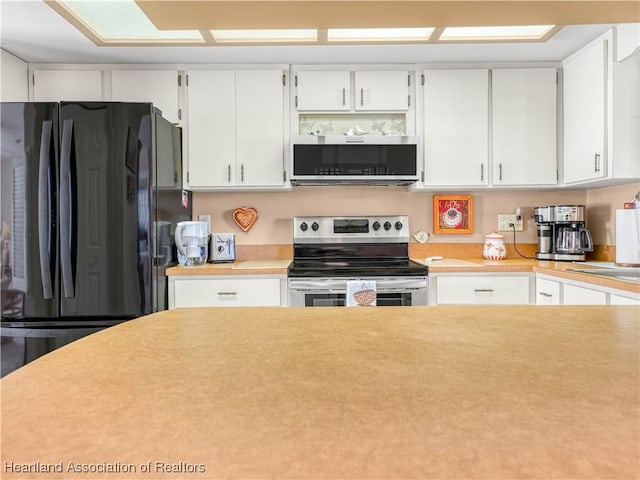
(368, 160)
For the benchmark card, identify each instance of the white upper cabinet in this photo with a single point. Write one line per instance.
(524, 112)
(159, 87)
(210, 145)
(235, 131)
(323, 90)
(260, 127)
(456, 123)
(333, 90)
(601, 110)
(381, 90)
(585, 104)
(66, 85)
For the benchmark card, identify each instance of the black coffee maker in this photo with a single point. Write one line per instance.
(562, 234)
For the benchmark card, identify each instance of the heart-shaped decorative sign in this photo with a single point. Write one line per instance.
(245, 217)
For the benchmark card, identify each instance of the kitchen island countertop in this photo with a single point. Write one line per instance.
(395, 392)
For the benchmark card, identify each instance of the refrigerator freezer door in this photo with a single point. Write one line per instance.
(29, 162)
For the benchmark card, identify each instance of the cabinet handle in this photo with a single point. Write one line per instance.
(242, 173)
(227, 294)
(362, 96)
(229, 173)
(344, 96)
(482, 172)
(545, 294)
(483, 290)
(597, 163)
(500, 171)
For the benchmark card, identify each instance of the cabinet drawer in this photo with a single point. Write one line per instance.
(547, 292)
(249, 292)
(478, 290)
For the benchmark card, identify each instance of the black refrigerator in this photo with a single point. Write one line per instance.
(91, 193)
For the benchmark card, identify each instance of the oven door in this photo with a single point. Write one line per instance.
(331, 292)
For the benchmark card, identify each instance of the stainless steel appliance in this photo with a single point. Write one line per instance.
(223, 247)
(368, 160)
(331, 252)
(562, 234)
(91, 193)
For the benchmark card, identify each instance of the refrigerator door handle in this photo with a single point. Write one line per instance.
(65, 209)
(45, 204)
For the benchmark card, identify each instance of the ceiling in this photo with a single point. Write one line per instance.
(34, 32)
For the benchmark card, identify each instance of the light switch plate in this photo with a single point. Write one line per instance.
(205, 218)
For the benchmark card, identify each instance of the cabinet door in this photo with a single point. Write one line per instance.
(456, 111)
(547, 292)
(584, 109)
(382, 90)
(67, 85)
(576, 295)
(159, 87)
(211, 128)
(615, 299)
(323, 90)
(259, 127)
(524, 126)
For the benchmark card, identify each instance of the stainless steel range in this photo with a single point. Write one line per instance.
(332, 256)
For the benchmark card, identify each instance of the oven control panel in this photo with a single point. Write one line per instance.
(391, 228)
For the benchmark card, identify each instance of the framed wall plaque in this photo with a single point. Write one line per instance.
(452, 214)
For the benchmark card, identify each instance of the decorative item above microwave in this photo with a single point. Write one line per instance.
(355, 160)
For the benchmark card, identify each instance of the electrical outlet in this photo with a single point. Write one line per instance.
(504, 220)
(205, 218)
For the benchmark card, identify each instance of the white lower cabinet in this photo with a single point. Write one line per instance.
(578, 295)
(204, 291)
(552, 290)
(480, 289)
(618, 299)
(548, 292)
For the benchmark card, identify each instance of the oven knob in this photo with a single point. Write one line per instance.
(387, 226)
(398, 225)
(304, 226)
(376, 225)
(315, 226)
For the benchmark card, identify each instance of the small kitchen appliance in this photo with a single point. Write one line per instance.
(562, 233)
(192, 243)
(222, 247)
(332, 254)
(628, 237)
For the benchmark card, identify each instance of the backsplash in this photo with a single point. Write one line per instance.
(276, 210)
(352, 124)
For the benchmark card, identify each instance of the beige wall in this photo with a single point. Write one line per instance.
(275, 210)
(601, 212)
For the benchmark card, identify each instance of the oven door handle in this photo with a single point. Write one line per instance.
(308, 285)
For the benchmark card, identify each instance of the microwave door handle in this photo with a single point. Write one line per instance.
(65, 209)
(45, 205)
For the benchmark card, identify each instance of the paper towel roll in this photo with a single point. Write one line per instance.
(628, 237)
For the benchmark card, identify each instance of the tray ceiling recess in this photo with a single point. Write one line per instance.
(332, 22)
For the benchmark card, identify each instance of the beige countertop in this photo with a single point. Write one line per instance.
(446, 265)
(397, 392)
